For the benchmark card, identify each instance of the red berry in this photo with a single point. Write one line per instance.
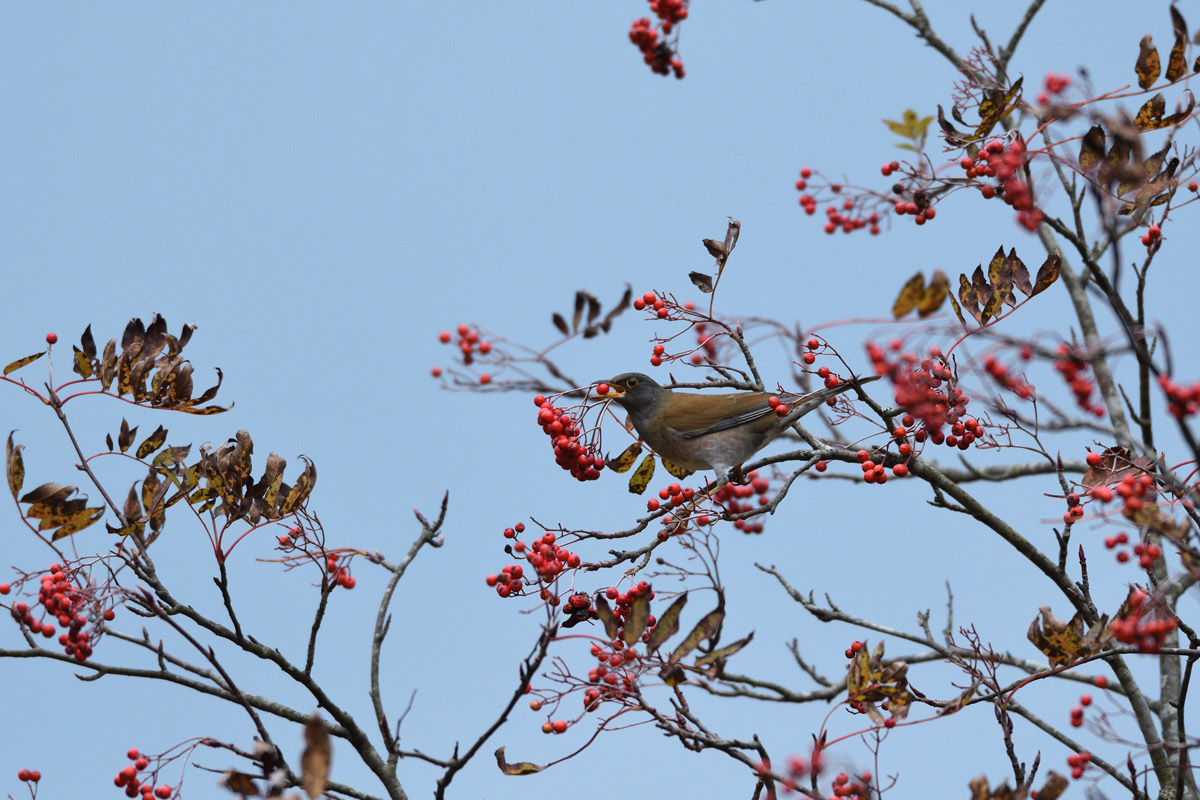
(444, 337)
(436, 372)
(485, 378)
(132, 755)
(52, 338)
(163, 791)
(1101, 681)
(5, 588)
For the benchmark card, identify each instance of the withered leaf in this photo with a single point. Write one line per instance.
(108, 440)
(960, 702)
(623, 462)
(869, 682)
(1149, 116)
(152, 442)
(667, 625)
(1091, 150)
(108, 365)
(1020, 274)
(134, 337)
(125, 437)
(636, 619)
(612, 625)
(702, 280)
(1115, 462)
(1176, 64)
(1066, 642)
(716, 249)
(14, 465)
(707, 628)
(303, 488)
(74, 523)
(997, 105)
(1147, 65)
(560, 322)
(717, 658)
(1048, 273)
(21, 362)
(82, 365)
(1054, 787)
(910, 293)
(132, 510)
(593, 309)
(1000, 274)
(731, 234)
(983, 289)
(577, 313)
(992, 308)
(49, 493)
(957, 310)
(517, 767)
(87, 343)
(626, 299)
(316, 758)
(675, 470)
(970, 300)
(642, 475)
(1157, 120)
(934, 295)
(239, 783)
(951, 134)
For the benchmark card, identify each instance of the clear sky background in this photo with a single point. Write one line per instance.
(322, 188)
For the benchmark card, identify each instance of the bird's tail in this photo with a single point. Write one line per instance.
(813, 401)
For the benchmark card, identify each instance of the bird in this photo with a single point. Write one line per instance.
(703, 431)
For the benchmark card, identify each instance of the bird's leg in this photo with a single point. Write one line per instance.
(737, 476)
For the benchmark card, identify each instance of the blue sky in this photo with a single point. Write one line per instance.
(323, 188)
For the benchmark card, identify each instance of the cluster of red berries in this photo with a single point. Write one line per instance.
(706, 342)
(1074, 509)
(653, 302)
(844, 787)
(1002, 162)
(918, 207)
(737, 499)
(617, 672)
(128, 779)
(1074, 371)
(469, 343)
(927, 390)
(62, 601)
(546, 558)
(1054, 84)
(30, 775)
(848, 218)
(875, 472)
(1077, 711)
(1078, 761)
(1182, 401)
(657, 54)
(581, 460)
(1142, 626)
(1152, 237)
(999, 372)
(623, 604)
(671, 12)
(674, 494)
(796, 770)
(340, 574)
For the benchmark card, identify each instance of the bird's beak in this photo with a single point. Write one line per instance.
(613, 390)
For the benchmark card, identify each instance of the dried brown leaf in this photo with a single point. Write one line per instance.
(1091, 150)
(707, 628)
(152, 442)
(21, 362)
(316, 758)
(702, 281)
(910, 293)
(560, 322)
(1147, 65)
(516, 767)
(1176, 64)
(667, 625)
(934, 295)
(642, 475)
(14, 465)
(1048, 273)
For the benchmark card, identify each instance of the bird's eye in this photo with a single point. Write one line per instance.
(632, 382)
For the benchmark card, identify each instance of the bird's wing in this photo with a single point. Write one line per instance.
(707, 414)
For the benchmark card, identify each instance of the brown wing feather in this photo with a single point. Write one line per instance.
(706, 414)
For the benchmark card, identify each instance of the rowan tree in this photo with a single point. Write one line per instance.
(633, 620)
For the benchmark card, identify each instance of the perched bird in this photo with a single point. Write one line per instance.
(710, 431)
